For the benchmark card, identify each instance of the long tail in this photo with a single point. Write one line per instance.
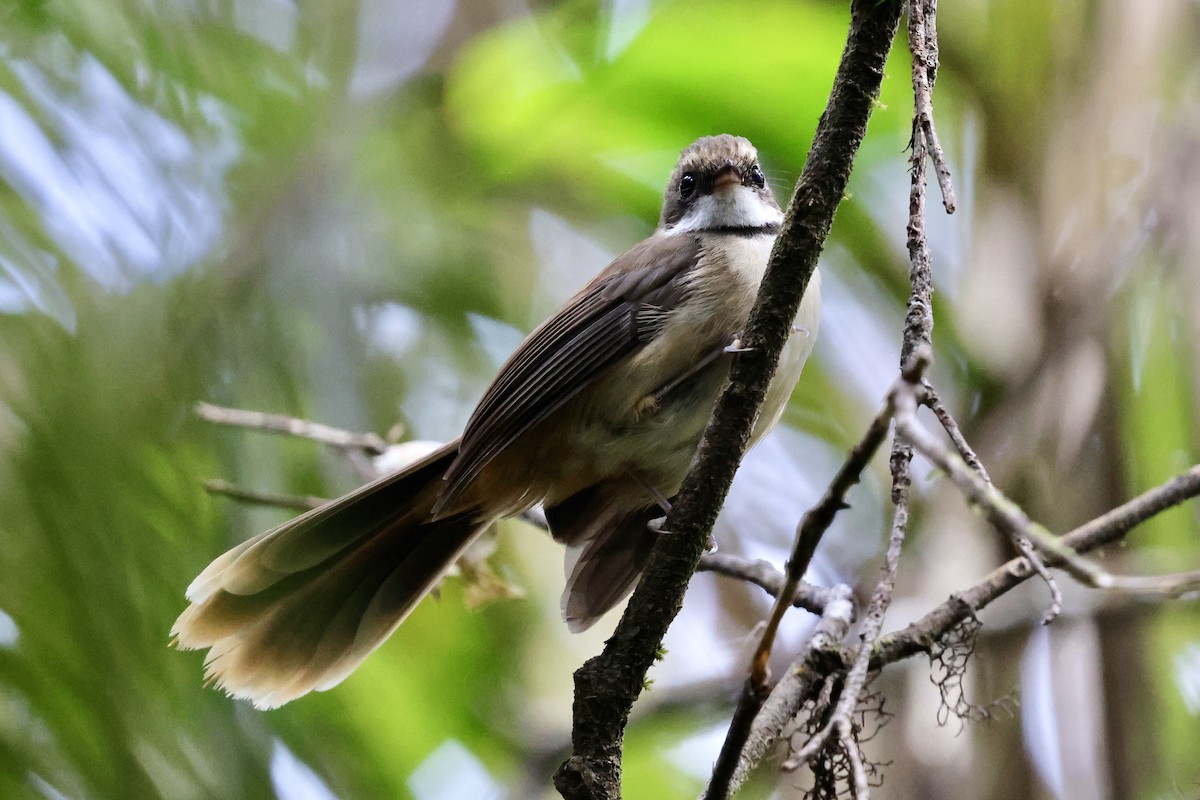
(299, 607)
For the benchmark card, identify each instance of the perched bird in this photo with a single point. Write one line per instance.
(596, 416)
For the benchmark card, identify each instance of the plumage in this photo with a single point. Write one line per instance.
(617, 313)
(596, 415)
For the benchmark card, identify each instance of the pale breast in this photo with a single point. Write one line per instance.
(616, 432)
(795, 353)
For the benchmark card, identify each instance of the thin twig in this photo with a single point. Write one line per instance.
(1038, 564)
(292, 426)
(1006, 516)
(929, 398)
(761, 574)
(881, 599)
(1169, 585)
(1009, 518)
(919, 636)
(858, 773)
(933, 402)
(918, 319)
(812, 527)
(914, 358)
(750, 703)
(922, 43)
(292, 502)
(800, 682)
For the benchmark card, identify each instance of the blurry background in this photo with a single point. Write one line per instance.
(353, 210)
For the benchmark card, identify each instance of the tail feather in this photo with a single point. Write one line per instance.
(299, 607)
(608, 544)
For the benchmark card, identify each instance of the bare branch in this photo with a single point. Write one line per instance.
(840, 722)
(914, 357)
(802, 680)
(922, 43)
(862, 789)
(1038, 565)
(292, 426)
(1168, 585)
(881, 597)
(812, 527)
(809, 532)
(919, 636)
(766, 577)
(1007, 517)
(933, 402)
(292, 502)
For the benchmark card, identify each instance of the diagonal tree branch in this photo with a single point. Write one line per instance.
(1009, 518)
(766, 577)
(933, 402)
(813, 525)
(1105, 529)
(811, 529)
(821, 658)
(290, 502)
(915, 355)
(608, 684)
(368, 443)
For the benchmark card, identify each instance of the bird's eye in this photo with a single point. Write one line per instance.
(687, 186)
(757, 177)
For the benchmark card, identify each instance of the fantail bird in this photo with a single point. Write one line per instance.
(596, 416)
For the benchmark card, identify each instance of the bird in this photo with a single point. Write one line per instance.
(596, 417)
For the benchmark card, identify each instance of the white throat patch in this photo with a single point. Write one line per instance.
(739, 207)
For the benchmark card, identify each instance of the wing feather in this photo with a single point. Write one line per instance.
(612, 318)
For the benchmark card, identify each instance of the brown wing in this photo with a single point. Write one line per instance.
(613, 317)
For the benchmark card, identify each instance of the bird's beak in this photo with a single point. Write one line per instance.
(727, 176)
